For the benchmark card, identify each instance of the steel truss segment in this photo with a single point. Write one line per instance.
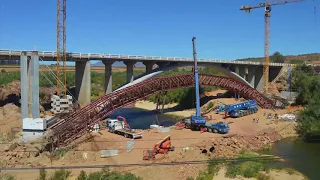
(76, 124)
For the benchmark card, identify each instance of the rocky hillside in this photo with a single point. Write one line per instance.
(313, 58)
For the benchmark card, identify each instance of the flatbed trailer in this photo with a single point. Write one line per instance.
(128, 134)
(219, 127)
(121, 127)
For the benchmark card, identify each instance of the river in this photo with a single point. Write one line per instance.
(298, 155)
(142, 119)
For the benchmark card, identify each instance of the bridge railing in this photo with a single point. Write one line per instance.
(98, 56)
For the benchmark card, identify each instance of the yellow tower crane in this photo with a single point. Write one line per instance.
(61, 46)
(267, 5)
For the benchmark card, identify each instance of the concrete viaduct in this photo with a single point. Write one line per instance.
(251, 72)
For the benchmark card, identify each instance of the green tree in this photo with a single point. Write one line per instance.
(309, 121)
(277, 57)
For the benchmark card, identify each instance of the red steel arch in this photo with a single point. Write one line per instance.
(76, 124)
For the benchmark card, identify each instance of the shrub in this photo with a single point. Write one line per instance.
(61, 174)
(210, 105)
(107, 174)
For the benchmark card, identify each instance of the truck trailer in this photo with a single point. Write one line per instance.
(121, 127)
(241, 109)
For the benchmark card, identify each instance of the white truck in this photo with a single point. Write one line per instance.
(121, 127)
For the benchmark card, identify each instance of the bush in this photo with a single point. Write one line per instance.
(309, 121)
(107, 174)
(6, 177)
(210, 105)
(61, 174)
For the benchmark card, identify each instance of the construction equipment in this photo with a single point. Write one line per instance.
(61, 46)
(162, 147)
(220, 108)
(198, 122)
(267, 5)
(241, 109)
(121, 127)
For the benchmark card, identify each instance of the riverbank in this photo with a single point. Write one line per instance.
(169, 109)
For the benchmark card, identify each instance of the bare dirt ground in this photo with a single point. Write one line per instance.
(244, 134)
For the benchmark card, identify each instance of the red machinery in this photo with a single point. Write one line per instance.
(162, 147)
(126, 125)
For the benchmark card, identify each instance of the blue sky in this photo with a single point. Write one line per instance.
(161, 28)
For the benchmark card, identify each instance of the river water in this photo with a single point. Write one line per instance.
(299, 155)
(142, 119)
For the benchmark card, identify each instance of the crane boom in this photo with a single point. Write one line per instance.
(61, 45)
(262, 5)
(267, 5)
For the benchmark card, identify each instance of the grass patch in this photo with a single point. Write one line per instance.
(249, 169)
(210, 105)
(61, 174)
(7, 177)
(59, 153)
(212, 170)
(107, 174)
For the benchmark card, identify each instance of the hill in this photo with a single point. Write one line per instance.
(313, 58)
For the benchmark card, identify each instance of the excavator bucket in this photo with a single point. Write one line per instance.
(147, 155)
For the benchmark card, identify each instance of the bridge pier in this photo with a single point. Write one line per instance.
(237, 70)
(149, 66)
(108, 76)
(242, 72)
(83, 82)
(258, 80)
(251, 76)
(129, 65)
(35, 85)
(29, 85)
(24, 85)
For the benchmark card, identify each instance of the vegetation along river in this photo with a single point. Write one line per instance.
(299, 155)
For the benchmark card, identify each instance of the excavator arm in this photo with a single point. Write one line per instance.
(120, 118)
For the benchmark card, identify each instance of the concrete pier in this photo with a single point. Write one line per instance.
(237, 70)
(83, 82)
(242, 71)
(108, 76)
(149, 66)
(35, 85)
(258, 80)
(251, 76)
(129, 71)
(24, 85)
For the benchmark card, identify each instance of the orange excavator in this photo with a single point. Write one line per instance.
(162, 147)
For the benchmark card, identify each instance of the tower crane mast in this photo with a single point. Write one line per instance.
(267, 14)
(61, 46)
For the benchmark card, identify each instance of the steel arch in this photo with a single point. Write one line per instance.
(76, 124)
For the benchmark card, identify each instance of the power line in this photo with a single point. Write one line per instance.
(266, 158)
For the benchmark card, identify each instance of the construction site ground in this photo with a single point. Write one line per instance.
(244, 134)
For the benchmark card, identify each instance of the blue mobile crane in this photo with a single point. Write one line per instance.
(197, 121)
(241, 109)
